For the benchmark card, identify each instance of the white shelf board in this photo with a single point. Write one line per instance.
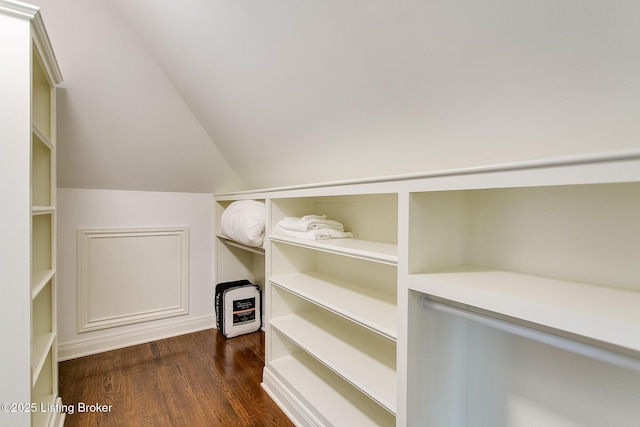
(385, 253)
(38, 281)
(42, 210)
(345, 350)
(254, 249)
(43, 137)
(605, 314)
(372, 309)
(40, 348)
(329, 395)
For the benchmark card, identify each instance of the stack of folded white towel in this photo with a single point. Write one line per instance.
(313, 227)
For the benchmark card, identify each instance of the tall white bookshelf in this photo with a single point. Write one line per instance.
(28, 152)
(333, 310)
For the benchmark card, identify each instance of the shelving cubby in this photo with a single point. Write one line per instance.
(41, 89)
(524, 281)
(561, 257)
(42, 328)
(41, 172)
(363, 358)
(237, 261)
(371, 218)
(42, 244)
(472, 369)
(327, 397)
(44, 391)
(361, 291)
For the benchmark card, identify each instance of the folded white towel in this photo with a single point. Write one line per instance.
(309, 222)
(317, 234)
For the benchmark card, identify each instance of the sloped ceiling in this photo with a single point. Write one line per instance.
(296, 91)
(121, 123)
(299, 91)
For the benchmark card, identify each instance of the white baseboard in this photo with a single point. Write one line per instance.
(85, 347)
(56, 419)
(288, 403)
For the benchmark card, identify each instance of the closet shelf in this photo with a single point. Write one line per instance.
(41, 347)
(39, 280)
(373, 310)
(42, 210)
(360, 358)
(605, 314)
(253, 249)
(385, 253)
(42, 136)
(331, 397)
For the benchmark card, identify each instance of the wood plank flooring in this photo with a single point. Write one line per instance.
(195, 380)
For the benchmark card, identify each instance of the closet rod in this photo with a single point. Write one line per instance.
(584, 349)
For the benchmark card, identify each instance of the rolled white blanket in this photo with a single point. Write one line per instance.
(244, 222)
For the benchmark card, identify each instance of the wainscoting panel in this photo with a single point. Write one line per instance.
(128, 276)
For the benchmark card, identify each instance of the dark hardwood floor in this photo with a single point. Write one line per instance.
(196, 380)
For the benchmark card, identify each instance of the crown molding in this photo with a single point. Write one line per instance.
(18, 9)
(41, 38)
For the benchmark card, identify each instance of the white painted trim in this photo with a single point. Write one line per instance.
(41, 38)
(56, 419)
(579, 159)
(292, 407)
(86, 322)
(18, 9)
(85, 347)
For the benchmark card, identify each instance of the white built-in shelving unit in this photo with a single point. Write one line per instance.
(28, 152)
(334, 301)
(526, 281)
(504, 295)
(331, 307)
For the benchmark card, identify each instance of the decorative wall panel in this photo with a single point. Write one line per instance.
(130, 276)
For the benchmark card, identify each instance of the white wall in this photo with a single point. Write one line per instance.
(81, 208)
(121, 123)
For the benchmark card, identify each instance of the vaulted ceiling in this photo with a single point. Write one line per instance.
(289, 91)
